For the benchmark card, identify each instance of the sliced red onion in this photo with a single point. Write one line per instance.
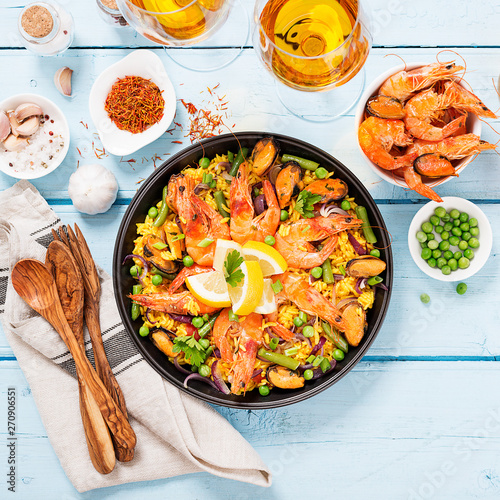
(344, 302)
(381, 285)
(218, 381)
(327, 210)
(338, 277)
(149, 319)
(260, 204)
(257, 185)
(225, 165)
(181, 318)
(226, 176)
(181, 368)
(311, 321)
(303, 368)
(360, 284)
(216, 353)
(197, 376)
(145, 265)
(318, 346)
(358, 248)
(273, 173)
(312, 279)
(256, 372)
(271, 334)
(318, 372)
(200, 188)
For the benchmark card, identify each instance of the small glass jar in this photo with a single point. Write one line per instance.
(110, 14)
(52, 41)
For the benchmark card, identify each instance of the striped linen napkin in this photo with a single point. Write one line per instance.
(176, 434)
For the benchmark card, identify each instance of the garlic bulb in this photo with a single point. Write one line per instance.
(92, 189)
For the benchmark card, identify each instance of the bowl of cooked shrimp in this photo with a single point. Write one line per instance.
(252, 270)
(419, 125)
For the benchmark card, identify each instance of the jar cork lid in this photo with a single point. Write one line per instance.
(37, 21)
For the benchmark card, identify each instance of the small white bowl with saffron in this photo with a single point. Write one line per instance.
(472, 238)
(139, 63)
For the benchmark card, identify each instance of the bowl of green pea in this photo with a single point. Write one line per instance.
(450, 241)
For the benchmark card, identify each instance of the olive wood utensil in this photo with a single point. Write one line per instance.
(83, 257)
(35, 285)
(60, 262)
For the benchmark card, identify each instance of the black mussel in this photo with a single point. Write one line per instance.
(329, 189)
(433, 165)
(153, 248)
(354, 319)
(264, 154)
(284, 378)
(365, 266)
(289, 182)
(163, 339)
(386, 107)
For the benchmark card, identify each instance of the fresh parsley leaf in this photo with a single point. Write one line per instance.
(232, 271)
(305, 203)
(193, 352)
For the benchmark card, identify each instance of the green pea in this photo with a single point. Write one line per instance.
(448, 226)
(135, 271)
(448, 255)
(461, 288)
(425, 298)
(454, 241)
(463, 245)
(317, 272)
(474, 243)
(464, 217)
(435, 221)
(283, 215)
(270, 240)
(446, 217)
(440, 212)
(321, 173)
(439, 229)
(206, 317)
(205, 343)
(432, 262)
(466, 236)
(441, 262)
(474, 231)
(464, 226)
(456, 231)
(204, 370)
(197, 322)
(437, 254)
(453, 263)
(430, 236)
(469, 253)
(143, 331)
(454, 214)
(427, 227)
(445, 235)
(456, 222)
(426, 253)
(338, 355)
(375, 252)
(457, 255)
(433, 244)
(463, 263)
(303, 316)
(446, 270)
(153, 212)
(423, 245)
(264, 390)
(472, 223)
(157, 280)
(345, 205)
(444, 245)
(308, 331)
(188, 261)
(204, 162)
(297, 322)
(308, 375)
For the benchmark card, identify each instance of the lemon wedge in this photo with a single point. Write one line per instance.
(269, 259)
(210, 289)
(267, 303)
(247, 294)
(222, 248)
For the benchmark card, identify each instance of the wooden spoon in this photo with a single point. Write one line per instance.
(60, 262)
(35, 285)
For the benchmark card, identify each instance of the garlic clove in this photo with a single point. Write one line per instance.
(13, 143)
(29, 126)
(26, 110)
(4, 126)
(62, 80)
(13, 123)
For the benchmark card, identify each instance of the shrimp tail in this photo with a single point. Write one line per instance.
(415, 183)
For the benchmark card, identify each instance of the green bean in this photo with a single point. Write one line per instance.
(220, 199)
(335, 337)
(169, 276)
(305, 164)
(162, 214)
(135, 310)
(208, 325)
(279, 359)
(230, 156)
(327, 272)
(238, 160)
(136, 289)
(362, 214)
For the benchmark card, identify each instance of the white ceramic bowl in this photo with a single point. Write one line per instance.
(49, 108)
(146, 64)
(481, 254)
(473, 126)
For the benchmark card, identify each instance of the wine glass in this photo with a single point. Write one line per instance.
(314, 46)
(182, 23)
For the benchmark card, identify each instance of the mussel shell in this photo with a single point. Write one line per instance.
(383, 106)
(284, 378)
(354, 318)
(264, 155)
(288, 182)
(163, 339)
(329, 189)
(365, 266)
(433, 165)
(153, 256)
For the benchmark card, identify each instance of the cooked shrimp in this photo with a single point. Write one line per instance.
(414, 182)
(198, 219)
(185, 273)
(422, 109)
(307, 258)
(177, 303)
(404, 84)
(248, 336)
(458, 97)
(309, 300)
(244, 226)
(453, 148)
(377, 137)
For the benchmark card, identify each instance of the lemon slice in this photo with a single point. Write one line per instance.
(246, 295)
(222, 248)
(267, 303)
(210, 289)
(270, 260)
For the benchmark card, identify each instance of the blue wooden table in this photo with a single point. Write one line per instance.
(419, 417)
